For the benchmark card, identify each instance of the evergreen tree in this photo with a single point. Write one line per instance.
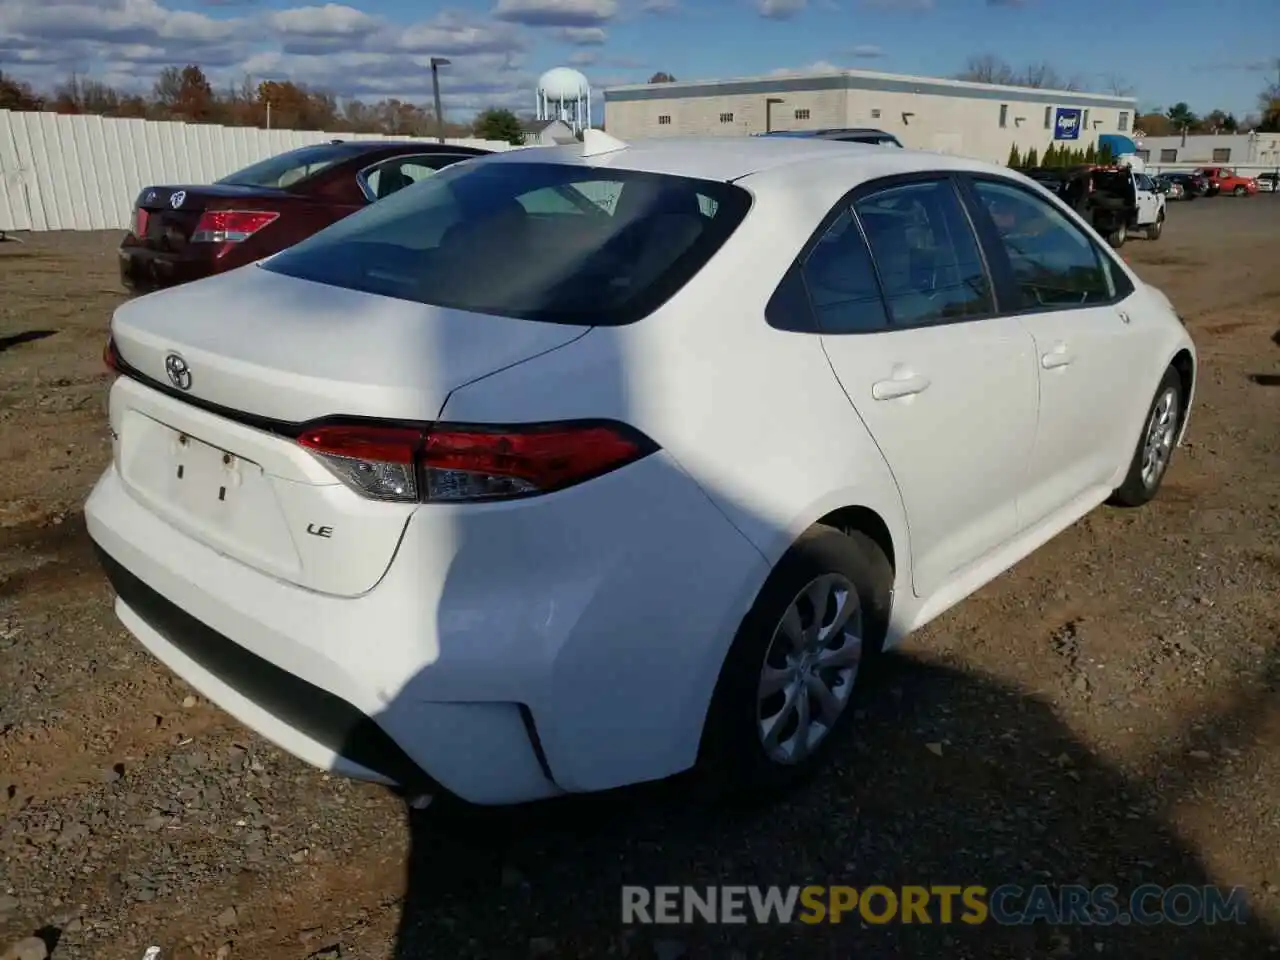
(1091, 154)
(1105, 156)
(1050, 156)
(1032, 159)
(1015, 159)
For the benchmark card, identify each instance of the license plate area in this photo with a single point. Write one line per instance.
(216, 496)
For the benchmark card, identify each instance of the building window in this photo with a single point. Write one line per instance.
(726, 118)
(1124, 120)
(875, 114)
(1221, 154)
(1004, 114)
(1144, 155)
(665, 119)
(802, 114)
(1048, 118)
(1169, 156)
(1085, 121)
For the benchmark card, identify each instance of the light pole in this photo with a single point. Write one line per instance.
(768, 112)
(436, 64)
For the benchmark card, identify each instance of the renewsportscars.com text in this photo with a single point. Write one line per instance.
(1008, 904)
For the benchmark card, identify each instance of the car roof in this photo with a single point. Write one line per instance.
(731, 158)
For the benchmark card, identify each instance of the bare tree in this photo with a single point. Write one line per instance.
(988, 68)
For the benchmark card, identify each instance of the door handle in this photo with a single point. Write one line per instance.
(893, 389)
(1060, 356)
(1124, 317)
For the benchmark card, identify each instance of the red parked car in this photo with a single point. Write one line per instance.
(1226, 180)
(183, 233)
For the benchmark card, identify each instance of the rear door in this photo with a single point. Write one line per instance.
(1064, 288)
(1148, 199)
(946, 388)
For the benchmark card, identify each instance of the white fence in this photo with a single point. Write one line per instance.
(84, 173)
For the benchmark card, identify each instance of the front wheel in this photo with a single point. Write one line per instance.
(1157, 228)
(1155, 447)
(1118, 236)
(1239, 192)
(785, 689)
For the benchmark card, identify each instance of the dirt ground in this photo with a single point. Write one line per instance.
(1107, 712)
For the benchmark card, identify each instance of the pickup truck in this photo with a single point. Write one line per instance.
(1226, 180)
(1116, 200)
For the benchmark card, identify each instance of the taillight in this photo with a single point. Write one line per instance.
(230, 226)
(139, 226)
(455, 463)
(110, 355)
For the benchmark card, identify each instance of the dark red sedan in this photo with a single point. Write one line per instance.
(183, 233)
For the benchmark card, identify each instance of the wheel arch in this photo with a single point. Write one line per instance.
(1184, 364)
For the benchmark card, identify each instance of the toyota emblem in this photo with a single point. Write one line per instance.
(178, 371)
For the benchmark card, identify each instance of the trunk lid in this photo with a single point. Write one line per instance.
(165, 217)
(284, 351)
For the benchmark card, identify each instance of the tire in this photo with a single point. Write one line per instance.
(1140, 487)
(1157, 228)
(1239, 192)
(1118, 236)
(734, 763)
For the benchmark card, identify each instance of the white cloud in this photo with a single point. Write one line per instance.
(780, 9)
(332, 46)
(583, 36)
(556, 13)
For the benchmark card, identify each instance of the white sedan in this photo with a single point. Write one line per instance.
(577, 467)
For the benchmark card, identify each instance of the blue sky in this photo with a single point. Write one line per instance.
(1208, 54)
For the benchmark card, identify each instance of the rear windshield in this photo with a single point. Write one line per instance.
(288, 168)
(539, 241)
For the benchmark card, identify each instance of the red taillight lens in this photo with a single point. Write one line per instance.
(231, 226)
(139, 226)
(110, 355)
(448, 463)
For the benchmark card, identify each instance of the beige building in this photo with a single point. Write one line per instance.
(950, 116)
(1250, 152)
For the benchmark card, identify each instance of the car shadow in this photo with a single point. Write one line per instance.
(26, 336)
(949, 778)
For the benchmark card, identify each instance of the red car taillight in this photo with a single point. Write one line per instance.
(110, 355)
(139, 226)
(452, 463)
(231, 226)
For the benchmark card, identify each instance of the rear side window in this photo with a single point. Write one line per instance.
(926, 253)
(1055, 264)
(842, 282)
(558, 243)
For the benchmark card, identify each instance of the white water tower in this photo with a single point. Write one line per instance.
(565, 95)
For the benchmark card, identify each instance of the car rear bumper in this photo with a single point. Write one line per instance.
(570, 645)
(143, 270)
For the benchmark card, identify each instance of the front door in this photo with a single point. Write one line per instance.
(947, 391)
(1072, 300)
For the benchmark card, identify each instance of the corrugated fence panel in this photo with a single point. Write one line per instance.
(13, 193)
(85, 172)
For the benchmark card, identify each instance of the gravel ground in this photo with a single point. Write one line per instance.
(1107, 712)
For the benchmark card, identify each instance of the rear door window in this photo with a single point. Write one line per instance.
(926, 254)
(543, 241)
